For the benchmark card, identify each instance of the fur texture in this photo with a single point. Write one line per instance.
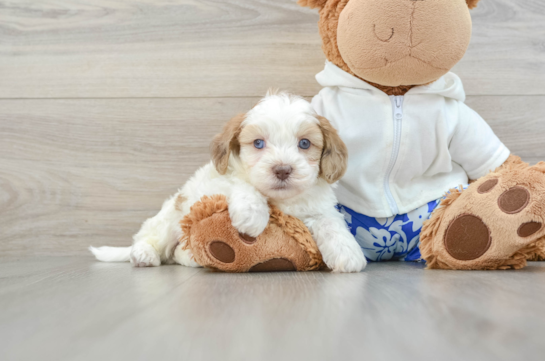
(226, 142)
(472, 4)
(245, 175)
(334, 153)
(313, 3)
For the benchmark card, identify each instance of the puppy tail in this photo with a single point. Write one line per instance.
(111, 254)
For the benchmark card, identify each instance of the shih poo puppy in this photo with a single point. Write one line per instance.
(280, 152)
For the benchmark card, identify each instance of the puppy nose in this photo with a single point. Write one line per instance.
(282, 172)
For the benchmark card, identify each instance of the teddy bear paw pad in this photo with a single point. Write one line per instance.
(514, 200)
(222, 251)
(528, 229)
(487, 186)
(274, 265)
(247, 239)
(467, 238)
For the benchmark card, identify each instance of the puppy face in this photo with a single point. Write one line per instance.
(282, 147)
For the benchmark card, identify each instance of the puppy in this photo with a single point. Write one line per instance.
(279, 152)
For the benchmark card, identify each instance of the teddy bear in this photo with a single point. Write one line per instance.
(427, 178)
(388, 89)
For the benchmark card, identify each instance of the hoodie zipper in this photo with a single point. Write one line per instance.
(397, 105)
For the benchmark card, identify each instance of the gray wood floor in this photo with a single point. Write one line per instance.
(72, 308)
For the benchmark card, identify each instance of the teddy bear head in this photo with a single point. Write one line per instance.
(394, 43)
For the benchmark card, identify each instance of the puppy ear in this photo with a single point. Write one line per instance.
(223, 144)
(334, 155)
(313, 4)
(472, 4)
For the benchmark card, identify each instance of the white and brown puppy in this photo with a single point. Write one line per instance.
(279, 152)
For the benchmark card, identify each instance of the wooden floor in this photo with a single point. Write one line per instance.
(72, 308)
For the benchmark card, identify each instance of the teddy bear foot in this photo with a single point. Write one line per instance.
(497, 223)
(285, 245)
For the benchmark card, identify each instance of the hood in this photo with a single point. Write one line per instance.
(448, 86)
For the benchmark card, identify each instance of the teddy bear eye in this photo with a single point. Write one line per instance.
(259, 143)
(304, 144)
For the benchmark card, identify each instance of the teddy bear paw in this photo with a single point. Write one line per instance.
(496, 223)
(216, 243)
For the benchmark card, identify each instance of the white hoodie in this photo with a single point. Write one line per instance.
(407, 150)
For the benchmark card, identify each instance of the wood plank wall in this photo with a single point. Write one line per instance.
(106, 107)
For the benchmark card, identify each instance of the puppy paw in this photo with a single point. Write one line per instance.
(185, 257)
(144, 255)
(345, 256)
(250, 219)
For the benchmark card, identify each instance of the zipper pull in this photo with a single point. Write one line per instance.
(398, 109)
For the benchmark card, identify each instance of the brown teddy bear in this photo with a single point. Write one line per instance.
(411, 140)
(410, 137)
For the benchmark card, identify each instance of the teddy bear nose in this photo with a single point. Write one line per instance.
(282, 172)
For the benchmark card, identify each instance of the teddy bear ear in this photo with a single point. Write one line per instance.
(313, 4)
(472, 4)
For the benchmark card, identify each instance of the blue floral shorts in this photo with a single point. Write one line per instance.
(389, 239)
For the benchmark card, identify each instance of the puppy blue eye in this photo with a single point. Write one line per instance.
(259, 143)
(304, 144)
